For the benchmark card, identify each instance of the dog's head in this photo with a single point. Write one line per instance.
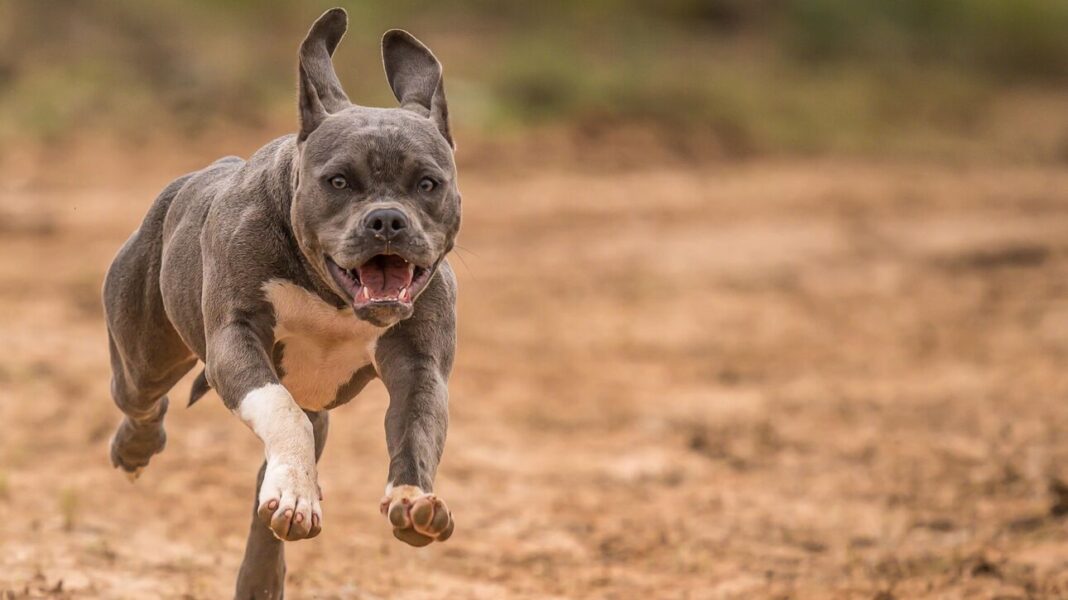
(376, 206)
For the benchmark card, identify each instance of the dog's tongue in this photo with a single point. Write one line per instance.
(385, 277)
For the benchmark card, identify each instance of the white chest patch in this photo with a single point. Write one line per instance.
(323, 347)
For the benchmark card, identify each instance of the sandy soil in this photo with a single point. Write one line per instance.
(771, 379)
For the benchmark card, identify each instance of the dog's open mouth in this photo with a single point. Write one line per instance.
(384, 278)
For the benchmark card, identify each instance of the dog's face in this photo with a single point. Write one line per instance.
(376, 207)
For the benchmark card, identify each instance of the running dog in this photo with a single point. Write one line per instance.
(298, 276)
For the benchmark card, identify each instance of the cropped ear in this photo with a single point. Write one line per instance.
(320, 91)
(415, 76)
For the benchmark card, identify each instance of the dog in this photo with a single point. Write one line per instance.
(298, 276)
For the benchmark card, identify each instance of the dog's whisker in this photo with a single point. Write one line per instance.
(470, 271)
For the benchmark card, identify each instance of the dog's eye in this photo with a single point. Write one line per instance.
(427, 184)
(339, 182)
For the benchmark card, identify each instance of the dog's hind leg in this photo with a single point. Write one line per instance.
(147, 355)
(263, 569)
(141, 397)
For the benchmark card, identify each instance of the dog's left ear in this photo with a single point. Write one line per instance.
(415, 76)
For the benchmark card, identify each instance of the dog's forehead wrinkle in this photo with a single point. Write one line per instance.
(365, 128)
(382, 156)
(374, 161)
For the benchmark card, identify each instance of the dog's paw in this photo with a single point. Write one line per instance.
(289, 502)
(418, 518)
(133, 446)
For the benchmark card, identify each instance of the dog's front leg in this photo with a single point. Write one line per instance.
(262, 573)
(240, 370)
(416, 423)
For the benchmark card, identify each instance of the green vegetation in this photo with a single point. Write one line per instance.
(758, 75)
(69, 507)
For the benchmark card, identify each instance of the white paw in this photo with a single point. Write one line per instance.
(289, 502)
(289, 496)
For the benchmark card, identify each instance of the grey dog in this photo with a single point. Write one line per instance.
(297, 277)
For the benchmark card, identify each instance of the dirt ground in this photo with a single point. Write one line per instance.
(766, 379)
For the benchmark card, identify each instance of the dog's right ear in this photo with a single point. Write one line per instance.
(414, 73)
(320, 90)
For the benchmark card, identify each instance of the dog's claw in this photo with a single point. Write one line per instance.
(133, 475)
(418, 518)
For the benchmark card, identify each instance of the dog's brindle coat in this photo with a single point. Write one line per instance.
(297, 277)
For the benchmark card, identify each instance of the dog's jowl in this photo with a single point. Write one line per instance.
(297, 277)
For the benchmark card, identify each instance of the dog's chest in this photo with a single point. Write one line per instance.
(318, 348)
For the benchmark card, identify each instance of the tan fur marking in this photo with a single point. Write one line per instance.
(324, 346)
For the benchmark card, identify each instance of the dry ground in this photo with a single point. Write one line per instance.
(806, 379)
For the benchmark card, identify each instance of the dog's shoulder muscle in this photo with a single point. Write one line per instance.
(226, 228)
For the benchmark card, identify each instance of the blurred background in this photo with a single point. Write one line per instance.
(937, 78)
(759, 299)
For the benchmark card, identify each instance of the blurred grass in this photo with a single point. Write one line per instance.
(788, 76)
(69, 507)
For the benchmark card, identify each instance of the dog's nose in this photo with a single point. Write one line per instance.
(386, 223)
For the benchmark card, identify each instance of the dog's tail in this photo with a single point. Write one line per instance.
(200, 387)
